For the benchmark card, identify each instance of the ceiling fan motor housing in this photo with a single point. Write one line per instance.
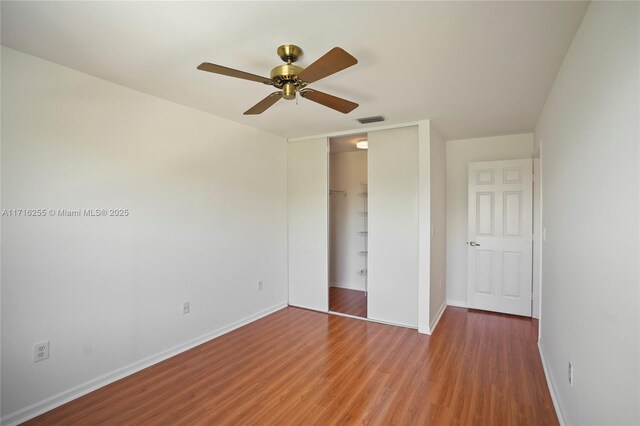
(285, 77)
(285, 72)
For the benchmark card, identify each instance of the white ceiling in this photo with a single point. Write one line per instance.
(475, 68)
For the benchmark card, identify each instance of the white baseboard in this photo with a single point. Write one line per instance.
(434, 323)
(552, 391)
(347, 286)
(437, 319)
(48, 404)
(457, 303)
(324, 311)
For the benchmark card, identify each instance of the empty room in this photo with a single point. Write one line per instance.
(319, 213)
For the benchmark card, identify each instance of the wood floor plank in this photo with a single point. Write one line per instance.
(299, 367)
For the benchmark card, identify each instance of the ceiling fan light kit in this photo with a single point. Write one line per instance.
(291, 79)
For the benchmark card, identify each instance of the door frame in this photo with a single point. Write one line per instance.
(536, 266)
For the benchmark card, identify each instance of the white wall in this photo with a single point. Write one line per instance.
(459, 154)
(347, 171)
(590, 278)
(438, 225)
(207, 202)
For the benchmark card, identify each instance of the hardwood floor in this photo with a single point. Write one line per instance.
(346, 301)
(302, 367)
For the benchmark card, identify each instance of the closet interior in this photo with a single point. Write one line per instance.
(348, 225)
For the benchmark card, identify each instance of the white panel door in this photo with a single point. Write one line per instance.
(307, 224)
(500, 236)
(393, 226)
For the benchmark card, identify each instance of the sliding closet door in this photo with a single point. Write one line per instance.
(308, 219)
(393, 226)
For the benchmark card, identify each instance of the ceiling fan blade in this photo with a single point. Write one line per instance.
(264, 104)
(219, 69)
(333, 102)
(330, 63)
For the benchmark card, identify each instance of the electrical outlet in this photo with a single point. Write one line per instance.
(41, 351)
(260, 285)
(570, 374)
(186, 307)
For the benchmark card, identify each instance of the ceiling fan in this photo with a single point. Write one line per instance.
(291, 79)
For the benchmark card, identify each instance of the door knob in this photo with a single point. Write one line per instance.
(474, 244)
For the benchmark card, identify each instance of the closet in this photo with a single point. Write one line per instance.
(348, 239)
(354, 223)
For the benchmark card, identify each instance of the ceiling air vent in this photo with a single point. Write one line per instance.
(367, 120)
